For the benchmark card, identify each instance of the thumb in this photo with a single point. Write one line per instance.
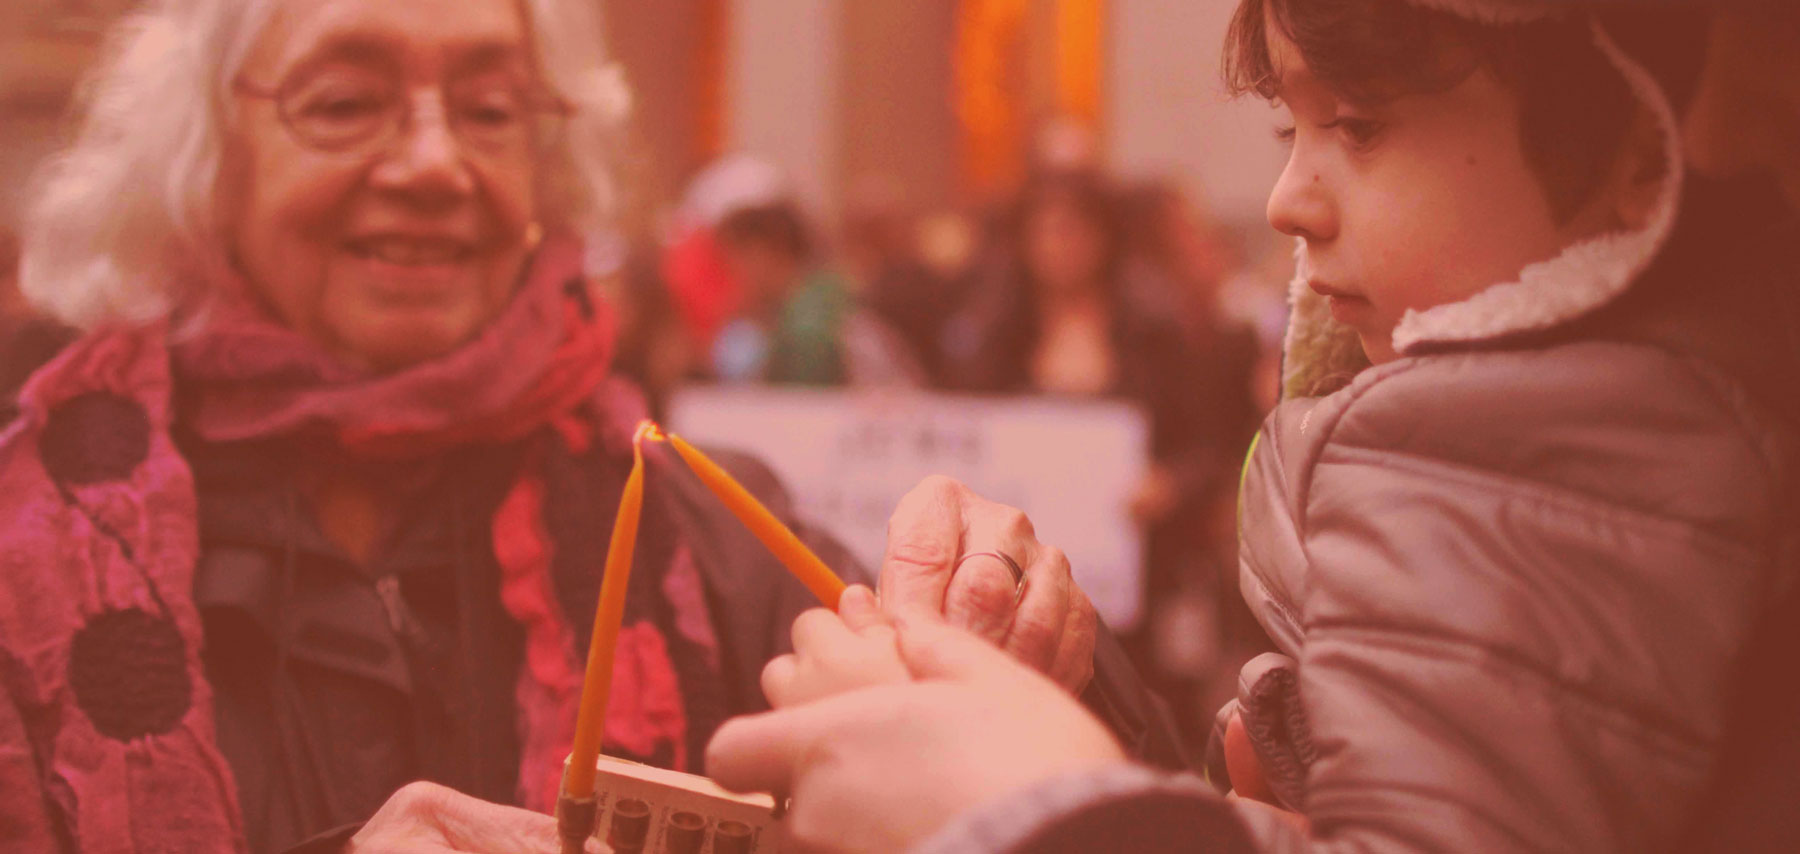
(937, 650)
(859, 609)
(761, 752)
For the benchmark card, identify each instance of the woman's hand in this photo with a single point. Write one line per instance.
(425, 818)
(1051, 627)
(882, 768)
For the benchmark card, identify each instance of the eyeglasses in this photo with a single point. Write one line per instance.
(358, 111)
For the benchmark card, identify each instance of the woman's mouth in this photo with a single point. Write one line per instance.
(412, 270)
(411, 251)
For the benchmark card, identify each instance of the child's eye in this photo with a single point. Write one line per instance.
(1358, 132)
(1285, 133)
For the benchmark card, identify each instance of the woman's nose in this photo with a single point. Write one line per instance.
(426, 159)
(1300, 204)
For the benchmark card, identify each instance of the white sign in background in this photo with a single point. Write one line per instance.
(848, 457)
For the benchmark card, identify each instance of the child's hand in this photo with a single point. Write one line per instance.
(881, 769)
(834, 653)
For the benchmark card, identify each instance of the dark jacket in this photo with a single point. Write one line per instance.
(337, 683)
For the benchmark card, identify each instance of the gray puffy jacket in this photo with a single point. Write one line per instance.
(1517, 573)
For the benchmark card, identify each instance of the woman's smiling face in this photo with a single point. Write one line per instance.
(380, 187)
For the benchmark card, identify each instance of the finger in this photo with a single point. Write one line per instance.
(1043, 613)
(859, 609)
(778, 679)
(982, 597)
(470, 824)
(818, 630)
(983, 593)
(761, 753)
(924, 539)
(935, 650)
(1074, 665)
(1243, 766)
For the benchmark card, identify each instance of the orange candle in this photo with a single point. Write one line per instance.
(590, 721)
(775, 536)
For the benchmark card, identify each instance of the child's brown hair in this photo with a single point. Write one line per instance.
(1575, 107)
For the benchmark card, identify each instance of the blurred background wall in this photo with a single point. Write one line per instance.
(941, 99)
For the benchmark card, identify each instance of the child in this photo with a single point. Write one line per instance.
(1515, 559)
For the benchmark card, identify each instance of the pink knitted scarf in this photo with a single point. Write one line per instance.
(106, 732)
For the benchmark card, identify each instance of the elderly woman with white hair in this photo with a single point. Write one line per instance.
(317, 506)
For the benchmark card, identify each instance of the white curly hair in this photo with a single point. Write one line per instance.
(116, 223)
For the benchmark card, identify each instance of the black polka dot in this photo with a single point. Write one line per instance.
(577, 290)
(129, 673)
(95, 438)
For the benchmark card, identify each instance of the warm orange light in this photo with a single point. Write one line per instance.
(1080, 55)
(711, 100)
(990, 37)
(1016, 62)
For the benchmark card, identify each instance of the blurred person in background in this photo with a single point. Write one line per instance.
(1063, 308)
(877, 232)
(759, 302)
(693, 264)
(884, 255)
(797, 322)
(1199, 626)
(655, 349)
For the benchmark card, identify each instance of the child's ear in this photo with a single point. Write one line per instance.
(1639, 171)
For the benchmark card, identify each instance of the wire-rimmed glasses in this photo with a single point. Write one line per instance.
(351, 110)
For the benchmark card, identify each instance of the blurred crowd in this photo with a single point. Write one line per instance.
(1078, 285)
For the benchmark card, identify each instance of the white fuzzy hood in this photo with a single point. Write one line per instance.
(1321, 355)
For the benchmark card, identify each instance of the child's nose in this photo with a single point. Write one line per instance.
(1300, 206)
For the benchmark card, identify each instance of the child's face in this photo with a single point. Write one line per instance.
(1418, 202)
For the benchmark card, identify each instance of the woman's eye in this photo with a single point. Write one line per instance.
(343, 103)
(490, 113)
(492, 108)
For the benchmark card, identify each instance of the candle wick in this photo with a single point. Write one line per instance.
(647, 429)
